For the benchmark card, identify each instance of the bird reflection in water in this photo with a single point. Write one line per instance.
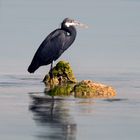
(52, 118)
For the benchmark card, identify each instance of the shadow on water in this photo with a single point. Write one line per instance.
(116, 100)
(52, 115)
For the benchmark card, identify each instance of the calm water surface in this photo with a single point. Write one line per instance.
(109, 49)
(25, 117)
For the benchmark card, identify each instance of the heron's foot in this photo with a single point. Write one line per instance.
(51, 74)
(51, 81)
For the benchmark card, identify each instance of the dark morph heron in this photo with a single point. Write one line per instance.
(55, 44)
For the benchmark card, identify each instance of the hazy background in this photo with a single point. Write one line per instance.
(111, 44)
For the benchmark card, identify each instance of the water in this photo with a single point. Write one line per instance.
(23, 116)
(107, 52)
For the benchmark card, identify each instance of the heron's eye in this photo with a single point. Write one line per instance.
(69, 23)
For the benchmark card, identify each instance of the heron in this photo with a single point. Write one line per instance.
(55, 44)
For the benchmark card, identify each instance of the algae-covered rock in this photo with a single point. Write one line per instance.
(90, 89)
(62, 73)
(60, 90)
(83, 89)
(64, 83)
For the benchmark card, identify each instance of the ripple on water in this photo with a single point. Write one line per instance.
(19, 80)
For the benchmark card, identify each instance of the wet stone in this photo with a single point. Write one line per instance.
(90, 89)
(64, 83)
(62, 74)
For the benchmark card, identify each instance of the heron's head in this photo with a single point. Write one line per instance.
(70, 22)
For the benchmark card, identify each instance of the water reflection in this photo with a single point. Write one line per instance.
(52, 118)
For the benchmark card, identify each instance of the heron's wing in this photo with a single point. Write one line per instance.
(51, 48)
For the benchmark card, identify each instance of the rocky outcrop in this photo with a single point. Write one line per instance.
(60, 90)
(65, 84)
(90, 89)
(62, 74)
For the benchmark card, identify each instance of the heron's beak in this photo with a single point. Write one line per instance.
(76, 23)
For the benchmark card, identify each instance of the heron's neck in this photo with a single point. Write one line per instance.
(71, 30)
(71, 33)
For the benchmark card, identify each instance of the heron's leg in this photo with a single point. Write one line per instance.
(51, 74)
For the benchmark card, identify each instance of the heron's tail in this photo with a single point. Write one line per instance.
(33, 67)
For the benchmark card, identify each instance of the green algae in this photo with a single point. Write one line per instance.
(64, 83)
(60, 90)
(62, 73)
(90, 89)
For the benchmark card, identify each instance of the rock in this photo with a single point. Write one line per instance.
(90, 89)
(60, 90)
(62, 73)
(83, 89)
(64, 84)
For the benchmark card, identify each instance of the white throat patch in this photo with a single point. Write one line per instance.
(68, 24)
